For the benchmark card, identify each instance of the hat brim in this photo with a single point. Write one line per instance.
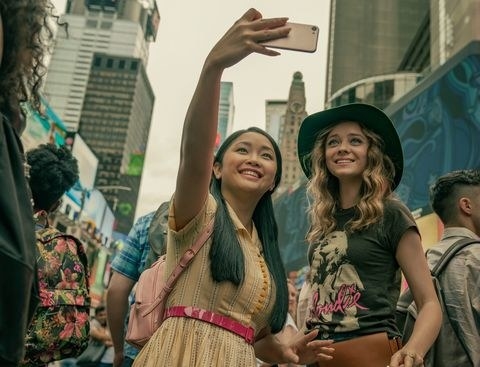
(369, 116)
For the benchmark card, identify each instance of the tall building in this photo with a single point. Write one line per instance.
(275, 110)
(454, 24)
(98, 85)
(115, 122)
(294, 115)
(226, 111)
(364, 56)
(122, 27)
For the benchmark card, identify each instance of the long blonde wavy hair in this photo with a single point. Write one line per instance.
(323, 187)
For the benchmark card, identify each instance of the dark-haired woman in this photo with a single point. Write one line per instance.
(233, 296)
(23, 31)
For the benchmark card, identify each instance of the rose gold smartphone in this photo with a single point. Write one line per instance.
(302, 37)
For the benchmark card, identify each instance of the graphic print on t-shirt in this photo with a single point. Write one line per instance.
(336, 286)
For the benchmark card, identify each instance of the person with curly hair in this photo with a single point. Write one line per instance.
(361, 238)
(24, 36)
(53, 171)
(62, 259)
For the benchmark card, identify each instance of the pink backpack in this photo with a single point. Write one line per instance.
(147, 313)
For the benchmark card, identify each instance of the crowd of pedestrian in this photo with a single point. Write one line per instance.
(233, 305)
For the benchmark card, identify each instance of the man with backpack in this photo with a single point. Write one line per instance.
(60, 326)
(145, 243)
(455, 198)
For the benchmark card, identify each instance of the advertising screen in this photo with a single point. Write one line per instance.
(439, 126)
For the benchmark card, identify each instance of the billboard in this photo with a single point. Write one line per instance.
(42, 128)
(439, 126)
(135, 165)
(87, 167)
(87, 162)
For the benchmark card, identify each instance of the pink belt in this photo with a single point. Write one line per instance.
(246, 332)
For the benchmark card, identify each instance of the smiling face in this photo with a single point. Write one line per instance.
(248, 165)
(346, 151)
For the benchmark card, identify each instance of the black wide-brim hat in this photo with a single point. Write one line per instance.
(369, 116)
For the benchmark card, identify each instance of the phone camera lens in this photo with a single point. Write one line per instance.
(314, 28)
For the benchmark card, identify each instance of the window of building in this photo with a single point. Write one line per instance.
(91, 23)
(106, 25)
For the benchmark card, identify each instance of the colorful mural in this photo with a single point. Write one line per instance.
(439, 128)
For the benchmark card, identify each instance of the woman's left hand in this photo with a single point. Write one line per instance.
(305, 350)
(406, 358)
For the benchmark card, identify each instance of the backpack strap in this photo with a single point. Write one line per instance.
(440, 266)
(182, 264)
(189, 255)
(450, 253)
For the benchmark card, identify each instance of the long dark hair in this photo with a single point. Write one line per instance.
(227, 260)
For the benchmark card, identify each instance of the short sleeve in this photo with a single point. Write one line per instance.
(130, 261)
(397, 220)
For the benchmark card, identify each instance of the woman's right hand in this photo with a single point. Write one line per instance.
(309, 350)
(244, 38)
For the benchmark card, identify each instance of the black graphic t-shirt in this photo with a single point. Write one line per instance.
(355, 277)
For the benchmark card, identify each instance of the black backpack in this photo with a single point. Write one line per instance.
(448, 349)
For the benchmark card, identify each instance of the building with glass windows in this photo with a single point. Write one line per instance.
(98, 86)
(380, 90)
(369, 38)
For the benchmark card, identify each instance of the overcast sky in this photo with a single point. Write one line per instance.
(187, 32)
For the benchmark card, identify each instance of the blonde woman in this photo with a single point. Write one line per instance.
(361, 236)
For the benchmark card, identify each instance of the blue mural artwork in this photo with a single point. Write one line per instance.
(440, 130)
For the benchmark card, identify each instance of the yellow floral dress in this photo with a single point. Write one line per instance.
(182, 342)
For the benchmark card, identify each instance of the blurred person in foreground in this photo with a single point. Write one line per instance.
(24, 39)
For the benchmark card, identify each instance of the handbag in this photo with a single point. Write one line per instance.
(92, 355)
(374, 350)
(148, 311)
